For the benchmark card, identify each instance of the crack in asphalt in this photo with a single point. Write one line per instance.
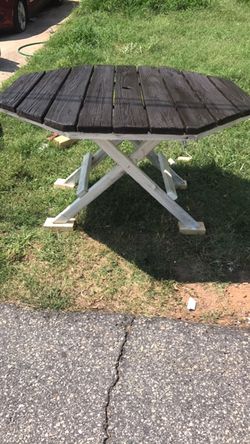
(128, 328)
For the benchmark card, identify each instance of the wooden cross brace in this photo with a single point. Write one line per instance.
(125, 164)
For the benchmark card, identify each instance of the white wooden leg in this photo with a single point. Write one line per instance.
(72, 180)
(149, 185)
(103, 184)
(125, 164)
(84, 175)
(180, 184)
(167, 177)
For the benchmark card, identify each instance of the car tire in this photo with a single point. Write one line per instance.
(20, 16)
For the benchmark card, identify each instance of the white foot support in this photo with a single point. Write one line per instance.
(67, 226)
(180, 184)
(63, 184)
(69, 182)
(199, 230)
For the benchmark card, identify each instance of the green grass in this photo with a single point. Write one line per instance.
(126, 253)
(132, 6)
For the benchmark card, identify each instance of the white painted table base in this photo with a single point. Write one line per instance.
(65, 219)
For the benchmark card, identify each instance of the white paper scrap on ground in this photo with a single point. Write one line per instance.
(191, 305)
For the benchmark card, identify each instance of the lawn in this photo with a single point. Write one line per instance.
(126, 253)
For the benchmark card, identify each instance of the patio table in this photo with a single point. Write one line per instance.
(110, 104)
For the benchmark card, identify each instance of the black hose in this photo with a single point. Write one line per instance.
(25, 46)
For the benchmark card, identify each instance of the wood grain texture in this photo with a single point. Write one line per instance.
(217, 104)
(124, 99)
(63, 112)
(236, 95)
(96, 113)
(162, 114)
(129, 114)
(13, 96)
(37, 102)
(192, 111)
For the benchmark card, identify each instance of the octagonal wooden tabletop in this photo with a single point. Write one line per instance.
(126, 99)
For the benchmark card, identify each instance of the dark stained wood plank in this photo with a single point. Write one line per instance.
(160, 100)
(96, 113)
(221, 109)
(129, 114)
(162, 114)
(37, 102)
(63, 112)
(233, 93)
(192, 111)
(13, 96)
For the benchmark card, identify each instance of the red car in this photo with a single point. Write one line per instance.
(15, 13)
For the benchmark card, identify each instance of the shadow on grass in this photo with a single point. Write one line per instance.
(134, 225)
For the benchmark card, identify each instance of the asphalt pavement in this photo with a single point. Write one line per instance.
(79, 378)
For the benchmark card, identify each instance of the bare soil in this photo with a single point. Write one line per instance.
(227, 305)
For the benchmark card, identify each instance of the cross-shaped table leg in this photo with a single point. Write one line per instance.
(187, 224)
(125, 164)
(72, 180)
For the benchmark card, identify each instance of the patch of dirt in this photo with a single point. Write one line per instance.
(94, 277)
(226, 305)
(216, 304)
